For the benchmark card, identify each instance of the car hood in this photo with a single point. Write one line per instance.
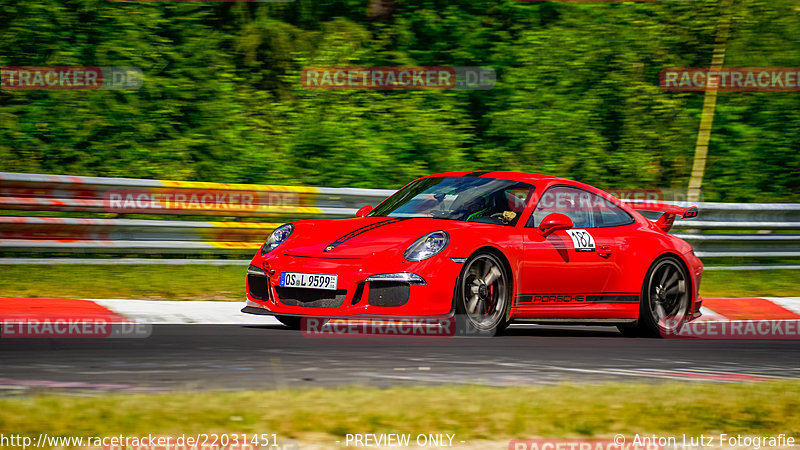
(365, 236)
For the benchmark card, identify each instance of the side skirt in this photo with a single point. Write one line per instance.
(546, 321)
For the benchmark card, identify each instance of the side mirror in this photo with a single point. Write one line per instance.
(364, 211)
(554, 222)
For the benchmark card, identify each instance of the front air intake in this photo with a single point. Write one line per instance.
(388, 293)
(313, 298)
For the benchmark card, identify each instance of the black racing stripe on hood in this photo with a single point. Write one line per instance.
(362, 230)
(365, 227)
(371, 226)
(477, 173)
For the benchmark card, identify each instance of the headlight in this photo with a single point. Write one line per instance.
(277, 237)
(427, 246)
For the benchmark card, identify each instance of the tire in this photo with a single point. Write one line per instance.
(629, 331)
(292, 322)
(666, 297)
(483, 296)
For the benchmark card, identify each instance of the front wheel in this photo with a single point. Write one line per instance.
(483, 300)
(629, 330)
(664, 307)
(292, 322)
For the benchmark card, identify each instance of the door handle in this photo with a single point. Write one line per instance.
(604, 251)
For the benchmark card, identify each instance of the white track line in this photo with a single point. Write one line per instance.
(180, 312)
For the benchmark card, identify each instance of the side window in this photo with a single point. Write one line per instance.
(585, 209)
(572, 202)
(611, 215)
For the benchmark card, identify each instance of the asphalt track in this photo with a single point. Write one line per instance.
(201, 357)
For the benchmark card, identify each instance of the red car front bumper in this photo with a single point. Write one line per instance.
(355, 295)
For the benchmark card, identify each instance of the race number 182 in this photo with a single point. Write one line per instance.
(582, 240)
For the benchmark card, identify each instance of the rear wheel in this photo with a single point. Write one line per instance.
(483, 299)
(664, 307)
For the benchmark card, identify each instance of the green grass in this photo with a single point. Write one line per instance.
(202, 282)
(471, 412)
(152, 282)
(750, 283)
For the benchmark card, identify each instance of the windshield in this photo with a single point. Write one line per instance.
(470, 199)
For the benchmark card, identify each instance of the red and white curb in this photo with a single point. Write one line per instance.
(760, 308)
(228, 313)
(124, 310)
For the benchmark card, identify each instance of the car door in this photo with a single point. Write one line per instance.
(567, 270)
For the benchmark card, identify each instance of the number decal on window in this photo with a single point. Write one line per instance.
(582, 240)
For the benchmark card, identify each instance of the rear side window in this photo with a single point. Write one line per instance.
(585, 209)
(611, 215)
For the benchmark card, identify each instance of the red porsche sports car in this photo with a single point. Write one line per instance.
(491, 248)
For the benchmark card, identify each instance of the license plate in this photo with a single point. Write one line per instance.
(308, 280)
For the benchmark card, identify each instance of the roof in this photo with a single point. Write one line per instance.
(513, 176)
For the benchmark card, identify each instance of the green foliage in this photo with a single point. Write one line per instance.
(577, 93)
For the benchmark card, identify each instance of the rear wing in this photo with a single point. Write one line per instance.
(670, 211)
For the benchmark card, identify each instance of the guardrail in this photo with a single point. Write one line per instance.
(139, 216)
(752, 230)
(243, 214)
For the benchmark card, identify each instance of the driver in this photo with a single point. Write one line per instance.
(475, 207)
(494, 207)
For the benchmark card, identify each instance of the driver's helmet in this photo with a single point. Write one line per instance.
(475, 204)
